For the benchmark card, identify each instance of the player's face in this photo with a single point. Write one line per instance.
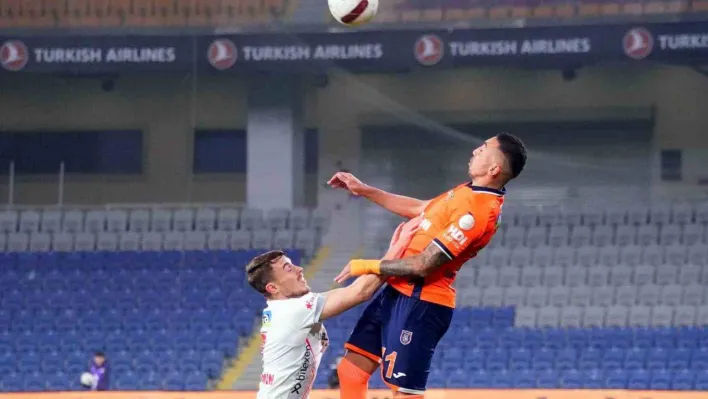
(484, 159)
(289, 279)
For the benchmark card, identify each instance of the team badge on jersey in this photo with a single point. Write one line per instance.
(267, 316)
(406, 337)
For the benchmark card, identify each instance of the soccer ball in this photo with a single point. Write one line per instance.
(86, 379)
(353, 12)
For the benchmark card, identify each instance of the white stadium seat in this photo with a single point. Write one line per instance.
(660, 214)
(615, 215)
(107, 241)
(85, 242)
(50, 221)
(498, 257)
(493, 296)
(693, 295)
(205, 219)
(631, 255)
(643, 275)
(698, 254)
(558, 236)
(598, 276)
(40, 242)
(609, 256)
(29, 221)
(542, 256)
(647, 235)
(603, 296)
(530, 276)
(553, 276)
(626, 295)
(662, 316)
(305, 241)
(581, 236)
(675, 254)
(252, 219)
(564, 256)
(549, 215)
(575, 276)
(652, 255)
(639, 316)
(514, 237)
(183, 219)
(671, 295)
(151, 241)
(73, 221)
(520, 257)
(95, 221)
(684, 316)
(625, 235)
(593, 215)
(173, 241)
(638, 215)
(527, 216)
(670, 234)
(702, 316)
(593, 316)
(486, 277)
(471, 297)
(586, 256)
(693, 234)
(117, 220)
(666, 274)
(262, 239)
(548, 317)
(580, 296)
(682, 213)
(514, 296)
(277, 219)
(160, 220)
(571, 317)
(558, 296)
(227, 219)
(240, 239)
(195, 240)
(702, 213)
(621, 275)
(648, 295)
(17, 242)
(62, 242)
(283, 239)
(320, 219)
(129, 241)
(139, 220)
(689, 274)
(218, 240)
(508, 276)
(536, 297)
(618, 316)
(299, 219)
(8, 221)
(525, 317)
(536, 236)
(571, 215)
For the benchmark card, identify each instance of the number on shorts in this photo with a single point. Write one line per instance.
(391, 359)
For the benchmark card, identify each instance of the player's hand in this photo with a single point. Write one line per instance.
(344, 275)
(348, 182)
(402, 237)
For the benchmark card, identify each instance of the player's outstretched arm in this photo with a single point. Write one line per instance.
(399, 204)
(362, 289)
(413, 266)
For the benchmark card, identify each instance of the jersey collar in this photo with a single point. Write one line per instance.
(487, 190)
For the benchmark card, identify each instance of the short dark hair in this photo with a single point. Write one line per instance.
(259, 271)
(99, 354)
(514, 151)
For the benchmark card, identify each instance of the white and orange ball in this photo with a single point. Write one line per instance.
(353, 12)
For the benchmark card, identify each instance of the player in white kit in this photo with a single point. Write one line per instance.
(293, 335)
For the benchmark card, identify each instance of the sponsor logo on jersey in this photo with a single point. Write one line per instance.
(406, 337)
(267, 316)
(267, 378)
(302, 372)
(310, 302)
(455, 234)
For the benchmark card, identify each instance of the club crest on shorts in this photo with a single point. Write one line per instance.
(406, 337)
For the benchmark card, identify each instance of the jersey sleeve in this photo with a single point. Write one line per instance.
(306, 310)
(466, 224)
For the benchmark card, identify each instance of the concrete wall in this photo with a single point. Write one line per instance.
(168, 107)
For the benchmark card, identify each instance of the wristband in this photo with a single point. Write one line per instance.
(360, 267)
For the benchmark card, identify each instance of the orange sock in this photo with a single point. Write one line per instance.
(353, 381)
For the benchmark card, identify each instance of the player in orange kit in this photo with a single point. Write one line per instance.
(405, 322)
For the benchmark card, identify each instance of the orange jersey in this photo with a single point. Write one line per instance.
(460, 222)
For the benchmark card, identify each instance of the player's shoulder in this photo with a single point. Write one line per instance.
(305, 302)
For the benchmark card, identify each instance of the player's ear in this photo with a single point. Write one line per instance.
(494, 170)
(271, 289)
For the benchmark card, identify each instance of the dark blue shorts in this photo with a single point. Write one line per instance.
(403, 332)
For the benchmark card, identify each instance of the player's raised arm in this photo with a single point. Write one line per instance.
(399, 204)
(362, 289)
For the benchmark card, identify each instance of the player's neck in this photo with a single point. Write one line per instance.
(488, 183)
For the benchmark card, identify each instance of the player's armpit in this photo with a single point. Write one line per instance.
(415, 266)
(340, 300)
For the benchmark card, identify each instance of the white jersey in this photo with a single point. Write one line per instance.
(293, 343)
